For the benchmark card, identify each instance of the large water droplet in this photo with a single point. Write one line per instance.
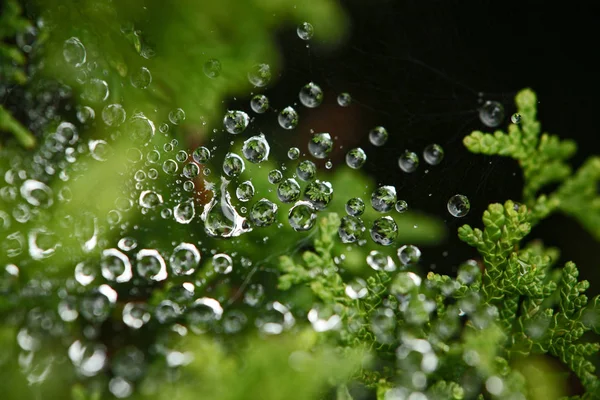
(459, 205)
(113, 115)
(288, 118)
(356, 158)
(306, 170)
(184, 259)
(184, 211)
(235, 121)
(256, 149)
(260, 75)
(220, 218)
(408, 161)
(151, 265)
(305, 31)
(320, 145)
(355, 206)
(384, 231)
(233, 165)
(36, 193)
(177, 116)
(150, 199)
(141, 78)
(383, 198)
(74, 52)
(409, 254)
(245, 191)
(141, 128)
(201, 155)
(203, 314)
(433, 154)
(263, 213)
(319, 193)
(115, 266)
(95, 90)
(302, 216)
(311, 95)
(89, 359)
(288, 191)
(491, 113)
(351, 229)
(259, 103)
(378, 136)
(344, 99)
(136, 314)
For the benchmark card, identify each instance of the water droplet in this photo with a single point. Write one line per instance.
(515, 118)
(356, 289)
(42, 243)
(95, 90)
(212, 68)
(115, 266)
(458, 205)
(85, 273)
(74, 52)
(378, 136)
(491, 114)
(305, 31)
(150, 199)
(311, 95)
(401, 206)
(203, 314)
(136, 314)
(184, 259)
(66, 133)
(323, 318)
(288, 191)
(380, 262)
(275, 319)
(222, 263)
(256, 149)
(99, 149)
(320, 145)
(259, 103)
(433, 154)
(409, 254)
(404, 283)
(344, 99)
(201, 155)
(113, 115)
(96, 304)
(254, 294)
(177, 116)
(351, 229)
(170, 166)
(127, 243)
(356, 158)
(85, 114)
(260, 75)
(128, 363)
(37, 193)
(383, 198)
(288, 118)
(245, 191)
(275, 176)
(293, 153)
(151, 265)
(141, 128)
(384, 231)
(468, 272)
(191, 170)
(408, 161)
(302, 216)
(220, 217)
(319, 193)
(89, 359)
(166, 311)
(235, 121)
(306, 170)
(233, 165)
(263, 213)
(184, 211)
(141, 78)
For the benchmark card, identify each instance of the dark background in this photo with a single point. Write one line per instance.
(421, 68)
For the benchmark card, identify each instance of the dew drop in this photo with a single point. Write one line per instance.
(409, 254)
(351, 229)
(177, 116)
(384, 231)
(288, 118)
(150, 199)
(433, 154)
(115, 266)
(74, 52)
(356, 158)
(259, 103)
(184, 211)
(320, 145)
(305, 31)
(191, 171)
(293, 153)
(141, 78)
(288, 190)
(383, 198)
(235, 122)
(275, 176)
(256, 149)
(458, 205)
(66, 133)
(311, 95)
(212, 68)
(380, 262)
(515, 118)
(355, 206)
(344, 99)
(141, 128)
(184, 259)
(319, 193)
(302, 216)
(95, 91)
(408, 161)
(306, 170)
(136, 314)
(263, 213)
(151, 265)
(201, 155)
(491, 113)
(222, 263)
(378, 136)
(233, 165)
(113, 115)
(37, 193)
(245, 191)
(260, 75)
(401, 206)
(220, 218)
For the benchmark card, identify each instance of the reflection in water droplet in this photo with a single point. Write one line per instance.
(305, 31)
(244, 191)
(384, 231)
(184, 259)
(319, 193)
(259, 103)
(89, 359)
(458, 205)
(177, 116)
(344, 99)
(293, 153)
(115, 266)
(150, 199)
(36, 193)
(311, 95)
(141, 78)
(256, 149)
(491, 114)
(275, 176)
(141, 128)
(184, 211)
(220, 217)
(201, 155)
(320, 145)
(409, 254)
(378, 136)
(235, 121)
(151, 265)
(222, 263)
(263, 213)
(356, 158)
(401, 206)
(306, 170)
(288, 118)
(408, 161)
(351, 229)
(260, 75)
(233, 165)
(74, 52)
(113, 115)
(433, 154)
(355, 206)
(288, 190)
(380, 262)
(383, 198)
(302, 216)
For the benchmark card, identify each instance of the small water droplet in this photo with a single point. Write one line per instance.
(491, 114)
(433, 154)
(344, 99)
(235, 122)
(212, 68)
(311, 95)
(305, 31)
(458, 205)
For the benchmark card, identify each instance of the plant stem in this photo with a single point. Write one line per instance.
(9, 124)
